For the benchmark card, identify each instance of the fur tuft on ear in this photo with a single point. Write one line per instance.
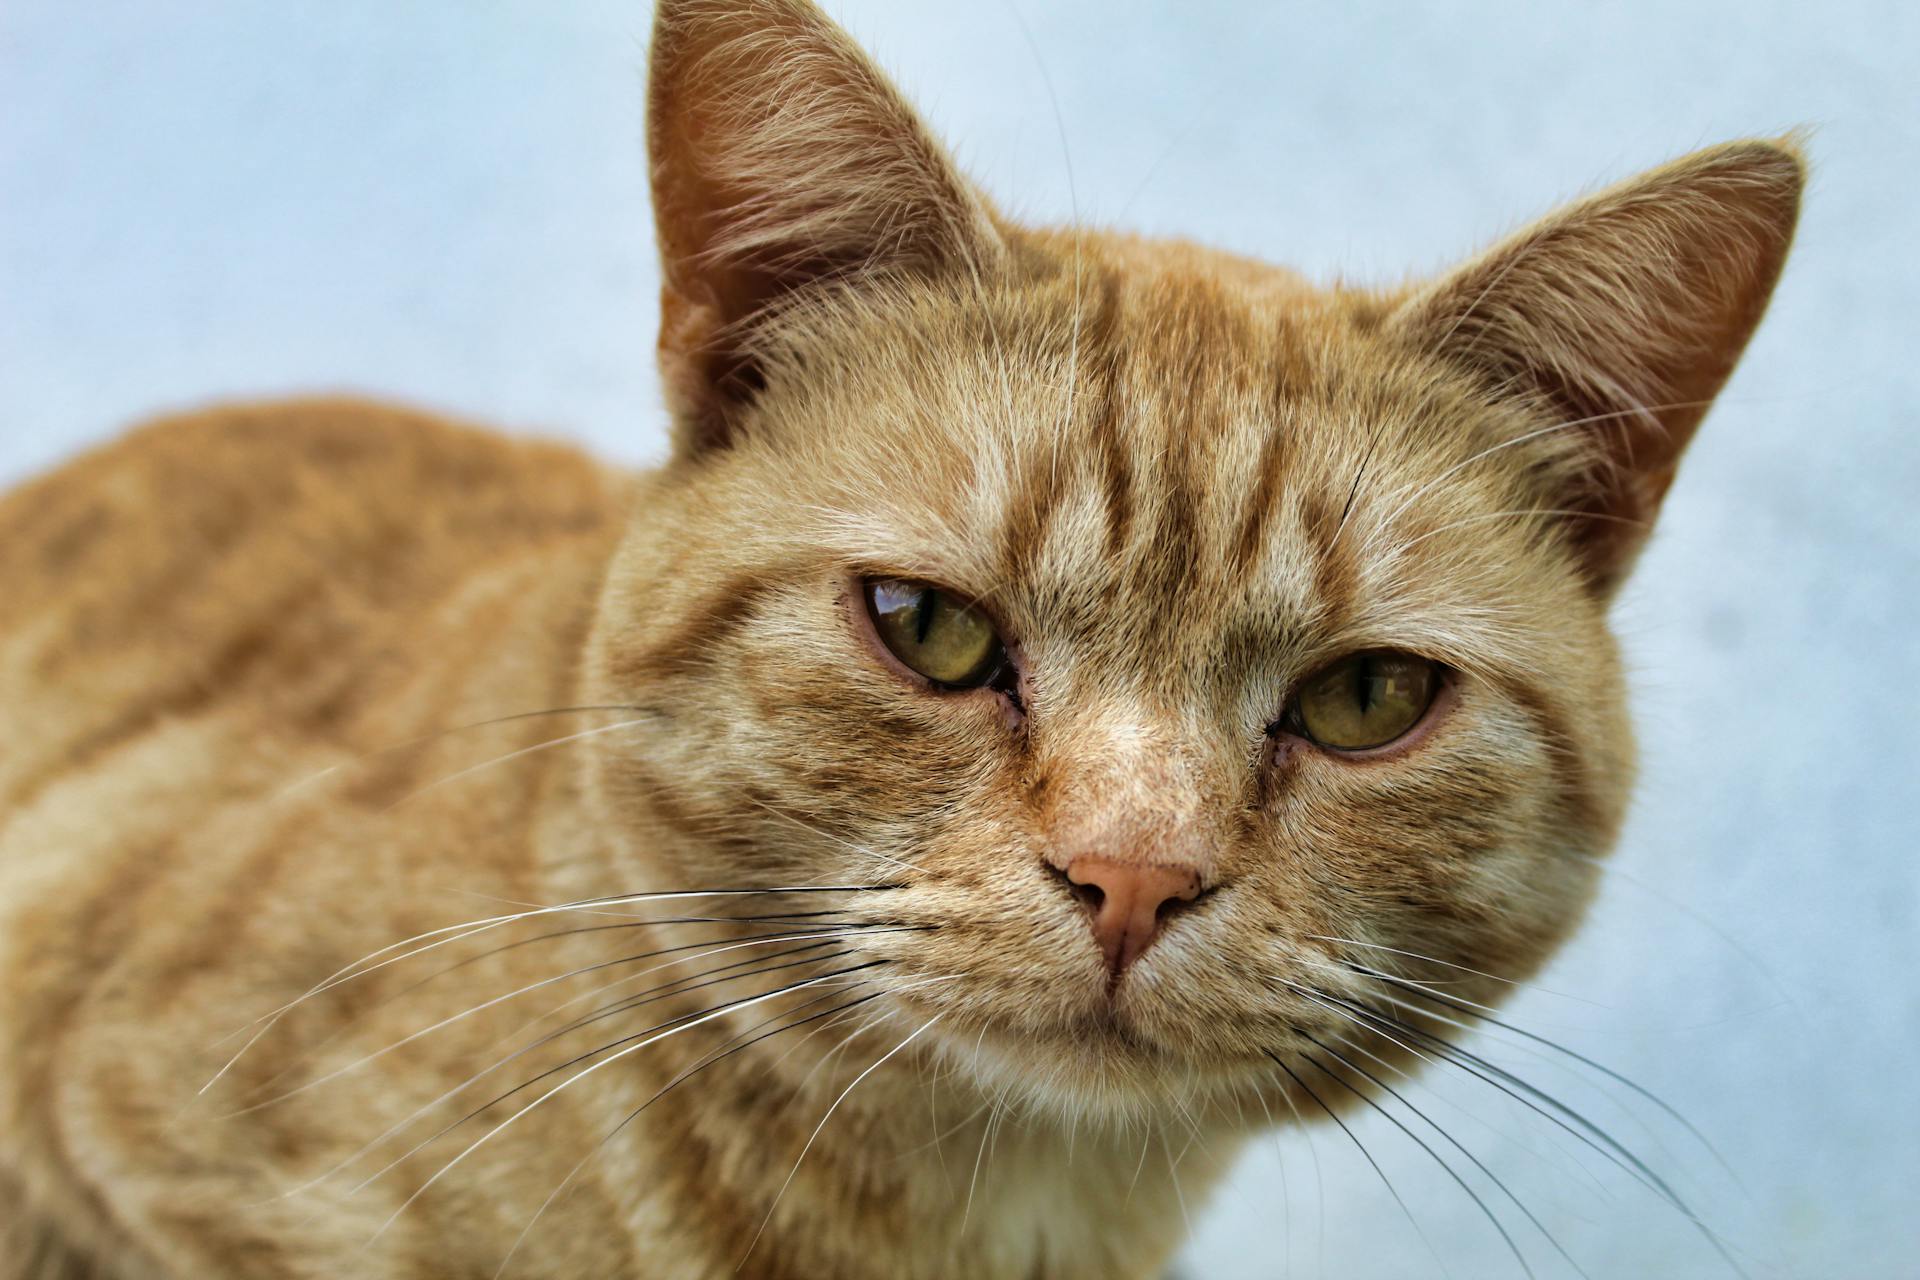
(781, 159)
(1621, 316)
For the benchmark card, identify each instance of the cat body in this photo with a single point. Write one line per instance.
(424, 853)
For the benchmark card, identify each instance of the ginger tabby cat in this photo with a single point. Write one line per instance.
(1066, 695)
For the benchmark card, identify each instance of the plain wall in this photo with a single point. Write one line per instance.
(446, 203)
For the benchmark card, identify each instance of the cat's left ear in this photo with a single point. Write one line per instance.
(1621, 316)
(782, 159)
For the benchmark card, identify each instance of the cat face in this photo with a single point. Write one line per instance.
(1163, 494)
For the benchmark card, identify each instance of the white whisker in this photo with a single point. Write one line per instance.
(467, 929)
(1513, 442)
(504, 1125)
(448, 1021)
(841, 840)
(548, 745)
(823, 1124)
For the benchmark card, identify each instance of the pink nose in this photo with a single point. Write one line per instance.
(1129, 902)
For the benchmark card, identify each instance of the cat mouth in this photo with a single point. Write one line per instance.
(1105, 1063)
(1106, 1033)
(1095, 1039)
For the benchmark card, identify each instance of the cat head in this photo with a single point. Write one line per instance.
(1185, 648)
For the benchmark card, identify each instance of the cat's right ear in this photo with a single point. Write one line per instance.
(782, 160)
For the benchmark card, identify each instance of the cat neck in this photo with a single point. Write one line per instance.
(837, 1159)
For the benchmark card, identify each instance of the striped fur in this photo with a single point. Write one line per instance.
(281, 685)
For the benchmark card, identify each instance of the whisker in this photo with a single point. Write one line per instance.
(686, 1025)
(448, 1095)
(1385, 1180)
(1286, 1193)
(641, 997)
(827, 1059)
(413, 744)
(622, 915)
(577, 1059)
(841, 840)
(941, 1135)
(1341, 969)
(1450, 1170)
(905, 987)
(678, 1080)
(1388, 999)
(535, 986)
(1492, 1075)
(823, 1124)
(548, 745)
(1173, 1175)
(468, 929)
(1666, 1107)
(413, 987)
(692, 982)
(857, 1032)
(1146, 1145)
(1515, 514)
(980, 1155)
(1448, 964)
(795, 1047)
(1353, 491)
(1322, 998)
(1522, 438)
(1620, 875)
(1601, 1141)
(1319, 1185)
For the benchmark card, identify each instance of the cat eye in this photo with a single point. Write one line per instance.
(935, 633)
(1365, 700)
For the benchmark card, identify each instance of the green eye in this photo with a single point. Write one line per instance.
(934, 632)
(1365, 700)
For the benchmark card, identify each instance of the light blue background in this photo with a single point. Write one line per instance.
(446, 203)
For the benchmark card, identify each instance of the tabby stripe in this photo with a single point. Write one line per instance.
(1336, 579)
(1573, 782)
(1099, 347)
(689, 644)
(1262, 502)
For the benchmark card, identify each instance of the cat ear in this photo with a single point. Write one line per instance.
(781, 159)
(1621, 316)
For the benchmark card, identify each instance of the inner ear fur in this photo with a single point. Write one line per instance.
(1621, 316)
(782, 159)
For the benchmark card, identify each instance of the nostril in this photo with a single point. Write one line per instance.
(1091, 896)
(1174, 905)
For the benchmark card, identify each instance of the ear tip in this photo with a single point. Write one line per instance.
(1795, 142)
(676, 13)
(684, 24)
(1783, 156)
(1759, 181)
(1778, 164)
(1790, 151)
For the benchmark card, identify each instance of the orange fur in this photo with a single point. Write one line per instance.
(256, 667)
